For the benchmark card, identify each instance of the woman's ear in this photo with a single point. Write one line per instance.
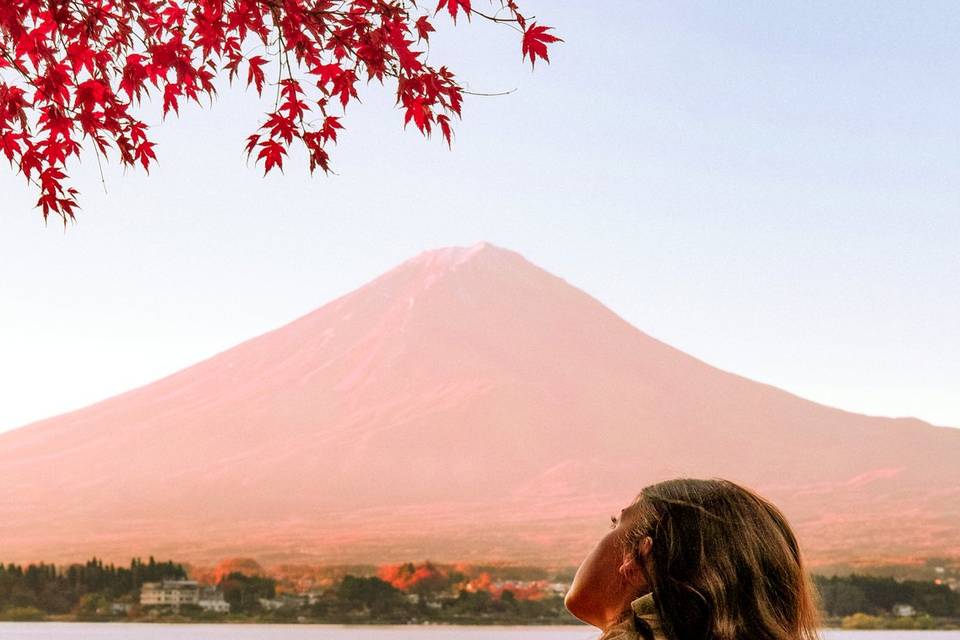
(646, 545)
(631, 571)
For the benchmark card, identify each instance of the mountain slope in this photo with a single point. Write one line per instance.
(465, 405)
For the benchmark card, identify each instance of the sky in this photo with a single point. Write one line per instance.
(771, 187)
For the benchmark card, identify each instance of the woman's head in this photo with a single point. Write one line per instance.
(721, 562)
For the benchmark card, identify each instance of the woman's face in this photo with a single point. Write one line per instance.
(609, 577)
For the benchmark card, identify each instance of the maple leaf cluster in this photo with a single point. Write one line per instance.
(72, 73)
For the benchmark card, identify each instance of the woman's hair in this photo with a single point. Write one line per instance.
(724, 564)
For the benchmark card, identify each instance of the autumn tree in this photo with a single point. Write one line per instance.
(73, 72)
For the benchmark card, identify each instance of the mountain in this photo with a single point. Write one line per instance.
(466, 405)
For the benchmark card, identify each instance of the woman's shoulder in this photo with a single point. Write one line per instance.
(643, 610)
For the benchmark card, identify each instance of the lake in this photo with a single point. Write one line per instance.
(132, 631)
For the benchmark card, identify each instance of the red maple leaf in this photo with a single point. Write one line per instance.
(271, 152)
(420, 113)
(444, 121)
(90, 93)
(170, 101)
(134, 75)
(453, 6)
(280, 127)
(535, 40)
(255, 73)
(10, 144)
(145, 154)
(326, 73)
(344, 86)
(329, 129)
(424, 29)
(81, 56)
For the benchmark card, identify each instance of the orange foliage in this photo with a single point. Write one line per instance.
(407, 576)
(246, 566)
(522, 590)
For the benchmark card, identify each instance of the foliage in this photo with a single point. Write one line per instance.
(865, 621)
(848, 595)
(372, 594)
(22, 614)
(244, 592)
(423, 579)
(92, 606)
(75, 73)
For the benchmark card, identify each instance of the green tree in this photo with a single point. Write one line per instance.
(92, 606)
(243, 592)
(373, 594)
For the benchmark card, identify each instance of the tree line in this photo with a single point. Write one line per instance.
(47, 589)
(847, 595)
(87, 590)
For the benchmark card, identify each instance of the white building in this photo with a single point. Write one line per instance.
(119, 607)
(904, 610)
(170, 593)
(212, 599)
(271, 604)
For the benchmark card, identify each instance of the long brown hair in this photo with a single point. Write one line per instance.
(724, 564)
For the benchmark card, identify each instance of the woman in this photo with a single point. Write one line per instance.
(696, 560)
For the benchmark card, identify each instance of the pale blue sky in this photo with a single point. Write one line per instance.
(771, 187)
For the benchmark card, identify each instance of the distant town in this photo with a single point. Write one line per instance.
(919, 596)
